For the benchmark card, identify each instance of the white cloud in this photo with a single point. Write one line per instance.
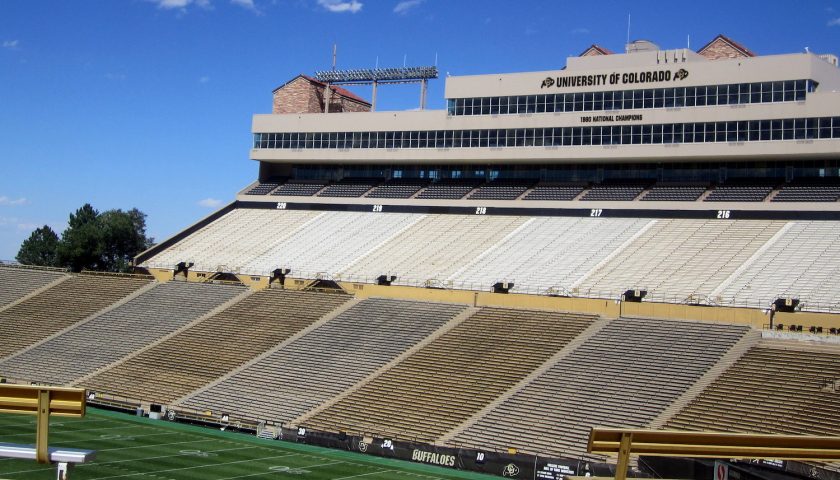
(834, 22)
(115, 76)
(6, 201)
(579, 31)
(10, 43)
(404, 6)
(27, 227)
(341, 6)
(210, 203)
(204, 79)
(246, 4)
(182, 4)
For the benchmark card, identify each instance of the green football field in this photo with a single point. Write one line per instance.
(130, 447)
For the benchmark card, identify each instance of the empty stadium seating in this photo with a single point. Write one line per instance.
(677, 259)
(214, 346)
(108, 337)
(61, 306)
(264, 188)
(17, 282)
(625, 375)
(234, 239)
(501, 190)
(548, 253)
(616, 190)
(671, 192)
(300, 188)
(434, 247)
(449, 189)
(777, 387)
(555, 191)
(350, 187)
(454, 376)
(324, 362)
(398, 188)
(809, 190)
(801, 263)
(330, 242)
(742, 191)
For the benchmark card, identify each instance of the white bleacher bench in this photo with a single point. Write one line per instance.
(64, 457)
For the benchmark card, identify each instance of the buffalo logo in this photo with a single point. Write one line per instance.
(511, 470)
(547, 83)
(814, 473)
(362, 446)
(680, 74)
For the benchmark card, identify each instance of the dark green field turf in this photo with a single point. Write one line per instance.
(134, 448)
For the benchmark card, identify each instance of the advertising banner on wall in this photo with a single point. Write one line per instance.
(503, 464)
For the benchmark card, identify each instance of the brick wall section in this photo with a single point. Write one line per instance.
(721, 49)
(302, 96)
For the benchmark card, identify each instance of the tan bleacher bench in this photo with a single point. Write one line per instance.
(42, 402)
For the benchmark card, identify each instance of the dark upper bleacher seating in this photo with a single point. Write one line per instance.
(742, 190)
(300, 188)
(450, 188)
(675, 192)
(502, 190)
(624, 190)
(555, 191)
(398, 188)
(350, 187)
(264, 188)
(809, 190)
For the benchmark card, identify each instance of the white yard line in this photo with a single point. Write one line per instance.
(32, 423)
(304, 467)
(57, 432)
(158, 444)
(195, 467)
(130, 460)
(363, 474)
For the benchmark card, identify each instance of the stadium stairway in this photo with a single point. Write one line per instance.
(676, 260)
(215, 344)
(18, 284)
(259, 358)
(456, 321)
(625, 375)
(430, 391)
(591, 330)
(747, 342)
(778, 386)
(104, 339)
(326, 361)
(78, 298)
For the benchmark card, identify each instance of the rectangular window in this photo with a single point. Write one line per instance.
(598, 101)
(790, 91)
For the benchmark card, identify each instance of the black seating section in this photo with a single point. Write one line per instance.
(616, 190)
(398, 188)
(299, 188)
(675, 192)
(264, 188)
(502, 190)
(350, 187)
(450, 188)
(555, 191)
(742, 190)
(810, 190)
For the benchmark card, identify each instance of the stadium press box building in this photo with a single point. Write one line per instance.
(658, 114)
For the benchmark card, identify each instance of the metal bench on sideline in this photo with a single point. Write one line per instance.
(42, 402)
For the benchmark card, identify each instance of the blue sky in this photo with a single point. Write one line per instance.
(148, 103)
